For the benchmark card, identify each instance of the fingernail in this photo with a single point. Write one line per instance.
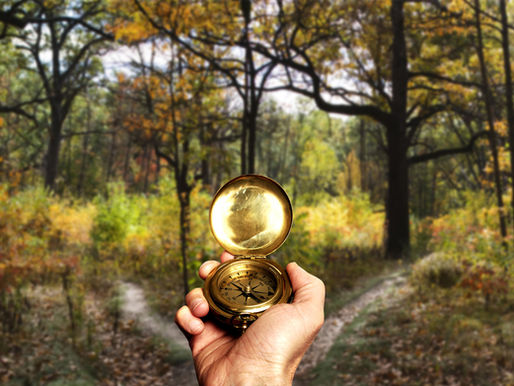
(195, 326)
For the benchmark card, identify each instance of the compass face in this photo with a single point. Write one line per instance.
(248, 288)
(240, 290)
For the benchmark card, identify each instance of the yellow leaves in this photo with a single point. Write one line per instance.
(131, 32)
(501, 128)
(1, 121)
(343, 221)
(72, 224)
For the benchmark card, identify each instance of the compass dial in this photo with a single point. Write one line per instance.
(248, 287)
(240, 290)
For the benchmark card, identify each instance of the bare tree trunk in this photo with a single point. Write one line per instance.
(126, 162)
(397, 201)
(250, 99)
(54, 145)
(283, 154)
(85, 143)
(508, 95)
(362, 155)
(110, 158)
(185, 205)
(83, 163)
(147, 162)
(243, 137)
(490, 120)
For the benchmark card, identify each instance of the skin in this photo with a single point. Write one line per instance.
(270, 350)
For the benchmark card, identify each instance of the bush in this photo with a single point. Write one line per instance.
(344, 221)
(38, 244)
(115, 215)
(437, 269)
(472, 230)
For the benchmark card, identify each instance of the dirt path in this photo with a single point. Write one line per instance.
(336, 322)
(134, 307)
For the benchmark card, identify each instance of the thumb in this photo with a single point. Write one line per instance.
(308, 289)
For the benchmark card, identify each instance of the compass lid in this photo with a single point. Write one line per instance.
(251, 215)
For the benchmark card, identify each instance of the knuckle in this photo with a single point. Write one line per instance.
(193, 294)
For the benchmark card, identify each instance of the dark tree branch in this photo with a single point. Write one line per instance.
(435, 76)
(445, 152)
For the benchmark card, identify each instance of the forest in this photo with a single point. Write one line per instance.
(389, 123)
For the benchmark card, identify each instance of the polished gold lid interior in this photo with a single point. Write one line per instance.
(251, 216)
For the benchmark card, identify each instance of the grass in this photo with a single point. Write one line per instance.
(325, 373)
(335, 302)
(443, 337)
(346, 279)
(44, 352)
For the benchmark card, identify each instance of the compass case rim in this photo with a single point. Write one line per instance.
(232, 317)
(251, 215)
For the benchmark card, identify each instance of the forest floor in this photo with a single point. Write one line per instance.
(135, 307)
(381, 332)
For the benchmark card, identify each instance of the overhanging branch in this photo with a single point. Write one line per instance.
(445, 152)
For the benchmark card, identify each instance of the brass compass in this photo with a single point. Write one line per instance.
(250, 217)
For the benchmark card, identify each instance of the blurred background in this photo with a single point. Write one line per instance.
(390, 123)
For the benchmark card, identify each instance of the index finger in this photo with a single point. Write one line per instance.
(209, 265)
(225, 256)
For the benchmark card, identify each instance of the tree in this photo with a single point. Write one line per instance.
(72, 42)
(509, 107)
(211, 30)
(488, 101)
(21, 112)
(362, 59)
(175, 110)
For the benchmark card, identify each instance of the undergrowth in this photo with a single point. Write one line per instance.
(440, 336)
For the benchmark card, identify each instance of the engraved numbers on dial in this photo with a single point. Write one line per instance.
(248, 287)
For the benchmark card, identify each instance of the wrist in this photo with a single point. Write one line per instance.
(256, 377)
(266, 371)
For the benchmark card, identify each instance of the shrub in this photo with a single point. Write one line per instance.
(115, 214)
(487, 279)
(437, 269)
(471, 230)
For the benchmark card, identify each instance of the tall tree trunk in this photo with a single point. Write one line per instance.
(362, 155)
(205, 165)
(83, 163)
(110, 158)
(85, 144)
(283, 154)
(508, 92)
(147, 162)
(185, 207)
(126, 161)
(252, 120)
(397, 201)
(490, 120)
(54, 144)
(250, 98)
(433, 192)
(244, 130)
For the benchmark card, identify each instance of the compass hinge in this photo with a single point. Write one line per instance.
(252, 257)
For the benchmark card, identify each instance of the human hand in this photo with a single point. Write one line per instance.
(270, 350)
